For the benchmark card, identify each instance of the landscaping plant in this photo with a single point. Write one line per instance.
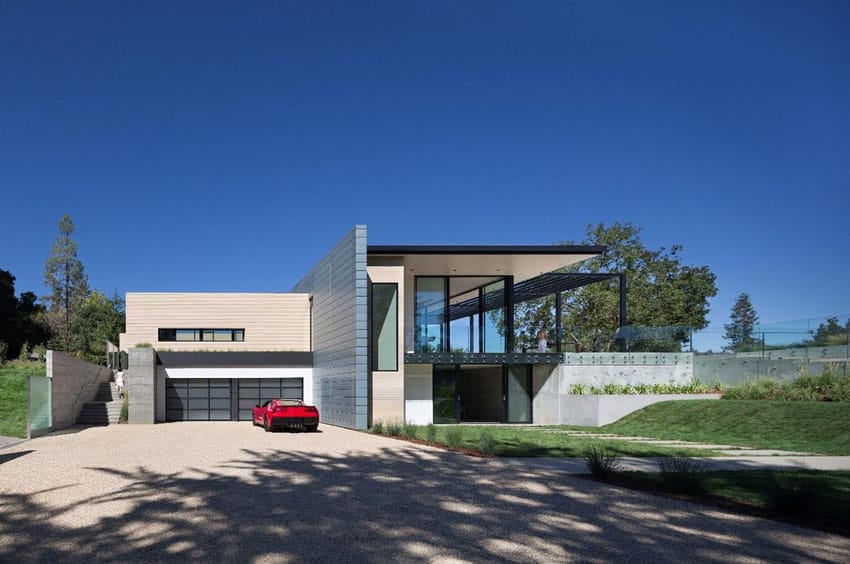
(409, 430)
(682, 474)
(431, 433)
(487, 443)
(454, 437)
(601, 462)
(796, 495)
(378, 427)
(394, 428)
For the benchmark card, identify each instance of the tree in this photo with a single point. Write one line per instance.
(64, 275)
(98, 320)
(21, 319)
(832, 333)
(665, 299)
(743, 319)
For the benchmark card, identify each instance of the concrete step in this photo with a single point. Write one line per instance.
(100, 413)
(107, 391)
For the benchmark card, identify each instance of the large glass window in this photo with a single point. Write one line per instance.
(494, 317)
(385, 327)
(464, 327)
(519, 394)
(430, 317)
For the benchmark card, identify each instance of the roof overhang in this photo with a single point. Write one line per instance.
(521, 262)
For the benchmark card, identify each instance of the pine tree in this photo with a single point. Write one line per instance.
(68, 283)
(739, 332)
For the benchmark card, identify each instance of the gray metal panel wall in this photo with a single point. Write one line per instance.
(338, 285)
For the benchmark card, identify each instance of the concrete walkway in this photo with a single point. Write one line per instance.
(578, 466)
(729, 450)
(228, 492)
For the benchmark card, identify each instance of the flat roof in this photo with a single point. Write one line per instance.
(485, 250)
(520, 261)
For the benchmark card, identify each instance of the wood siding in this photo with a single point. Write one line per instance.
(272, 322)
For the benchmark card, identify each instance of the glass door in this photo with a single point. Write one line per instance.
(519, 394)
(445, 394)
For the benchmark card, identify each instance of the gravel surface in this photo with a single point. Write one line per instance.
(228, 492)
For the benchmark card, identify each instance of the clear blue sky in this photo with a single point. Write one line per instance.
(227, 148)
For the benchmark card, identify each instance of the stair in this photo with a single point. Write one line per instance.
(105, 409)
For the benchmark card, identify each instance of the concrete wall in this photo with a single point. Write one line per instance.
(338, 287)
(554, 405)
(598, 369)
(75, 382)
(419, 393)
(140, 381)
(272, 321)
(595, 411)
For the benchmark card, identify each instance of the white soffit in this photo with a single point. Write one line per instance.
(520, 266)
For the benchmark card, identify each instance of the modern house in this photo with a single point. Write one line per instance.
(415, 333)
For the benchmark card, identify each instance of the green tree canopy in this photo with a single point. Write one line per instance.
(661, 293)
(742, 322)
(99, 319)
(21, 318)
(68, 283)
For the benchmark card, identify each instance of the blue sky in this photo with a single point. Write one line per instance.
(205, 147)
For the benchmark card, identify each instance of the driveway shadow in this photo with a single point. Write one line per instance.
(399, 505)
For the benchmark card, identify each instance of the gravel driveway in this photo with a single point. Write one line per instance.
(230, 492)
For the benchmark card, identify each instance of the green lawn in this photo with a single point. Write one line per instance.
(816, 427)
(13, 396)
(829, 494)
(542, 442)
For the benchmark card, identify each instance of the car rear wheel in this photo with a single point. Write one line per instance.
(266, 424)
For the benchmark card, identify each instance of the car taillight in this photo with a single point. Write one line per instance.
(312, 410)
(278, 408)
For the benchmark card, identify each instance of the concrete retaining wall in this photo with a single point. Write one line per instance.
(598, 369)
(75, 382)
(598, 410)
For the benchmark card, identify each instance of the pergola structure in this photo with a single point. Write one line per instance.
(551, 283)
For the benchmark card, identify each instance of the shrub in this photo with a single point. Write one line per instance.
(394, 428)
(41, 352)
(431, 433)
(409, 430)
(143, 345)
(601, 462)
(125, 410)
(377, 427)
(578, 389)
(796, 495)
(24, 355)
(682, 474)
(4, 348)
(454, 437)
(487, 443)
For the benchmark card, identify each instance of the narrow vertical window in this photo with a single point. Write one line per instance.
(385, 327)
(430, 323)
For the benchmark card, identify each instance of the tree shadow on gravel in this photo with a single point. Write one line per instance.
(404, 505)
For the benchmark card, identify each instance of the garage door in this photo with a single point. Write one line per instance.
(197, 399)
(257, 391)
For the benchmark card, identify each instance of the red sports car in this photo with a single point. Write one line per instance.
(286, 414)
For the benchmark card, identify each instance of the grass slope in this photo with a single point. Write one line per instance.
(13, 396)
(816, 427)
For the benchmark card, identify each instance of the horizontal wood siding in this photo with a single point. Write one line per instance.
(272, 322)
